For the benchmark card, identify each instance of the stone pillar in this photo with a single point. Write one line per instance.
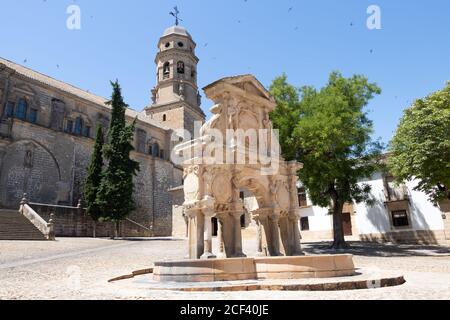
(200, 234)
(207, 214)
(191, 238)
(195, 233)
(237, 234)
(221, 250)
(274, 244)
(285, 233)
(259, 239)
(227, 231)
(297, 249)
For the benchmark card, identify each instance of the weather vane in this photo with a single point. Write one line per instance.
(175, 13)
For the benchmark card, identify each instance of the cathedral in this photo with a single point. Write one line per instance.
(47, 131)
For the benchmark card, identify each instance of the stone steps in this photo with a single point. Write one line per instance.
(14, 226)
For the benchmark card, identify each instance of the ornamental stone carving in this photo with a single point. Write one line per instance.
(213, 189)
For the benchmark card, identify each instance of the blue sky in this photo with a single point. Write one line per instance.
(410, 55)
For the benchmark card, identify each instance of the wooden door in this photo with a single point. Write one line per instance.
(347, 224)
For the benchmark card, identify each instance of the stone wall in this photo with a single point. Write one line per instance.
(427, 237)
(49, 164)
(74, 222)
(179, 223)
(445, 207)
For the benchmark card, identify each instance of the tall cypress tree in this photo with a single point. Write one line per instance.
(115, 195)
(94, 178)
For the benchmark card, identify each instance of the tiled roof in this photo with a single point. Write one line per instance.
(49, 81)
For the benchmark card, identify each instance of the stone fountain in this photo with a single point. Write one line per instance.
(217, 166)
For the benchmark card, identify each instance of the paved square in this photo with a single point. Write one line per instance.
(79, 268)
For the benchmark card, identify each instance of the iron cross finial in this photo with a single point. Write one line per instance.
(175, 13)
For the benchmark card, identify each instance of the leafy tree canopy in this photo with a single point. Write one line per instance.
(420, 148)
(329, 132)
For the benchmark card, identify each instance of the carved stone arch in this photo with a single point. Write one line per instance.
(30, 167)
(258, 187)
(280, 191)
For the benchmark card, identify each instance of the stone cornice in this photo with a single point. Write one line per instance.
(174, 53)
(173, 105)
(89, 103)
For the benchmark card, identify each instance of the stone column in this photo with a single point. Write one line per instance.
(200, 234)
(297, 237)
(221, 250)
(259, 244)
(237, 234)
(226, 227)
(191, 238)
(286, 234)
(207, 236)
(274, 235)
(195, 233)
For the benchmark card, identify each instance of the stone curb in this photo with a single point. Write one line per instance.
(334, 286)
(132, 275)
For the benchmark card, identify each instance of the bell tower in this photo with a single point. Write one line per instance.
(175, 98)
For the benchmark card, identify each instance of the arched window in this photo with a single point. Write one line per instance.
(155, 150)
(180, 67)
(78, 126)
(166, 70)
(164, 117)
(22, 107)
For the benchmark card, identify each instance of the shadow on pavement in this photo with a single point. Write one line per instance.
(379, 249)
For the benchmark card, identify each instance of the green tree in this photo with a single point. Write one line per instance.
(329, 132)
(115, 195)
(94, 178)
(420, 148)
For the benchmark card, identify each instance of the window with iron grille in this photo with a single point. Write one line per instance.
(302, 199)
(400, 219)
(304, 223)
(21, 112)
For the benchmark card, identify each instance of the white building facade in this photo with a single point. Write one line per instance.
(399, 214)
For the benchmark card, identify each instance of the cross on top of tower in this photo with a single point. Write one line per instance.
(175, 13)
